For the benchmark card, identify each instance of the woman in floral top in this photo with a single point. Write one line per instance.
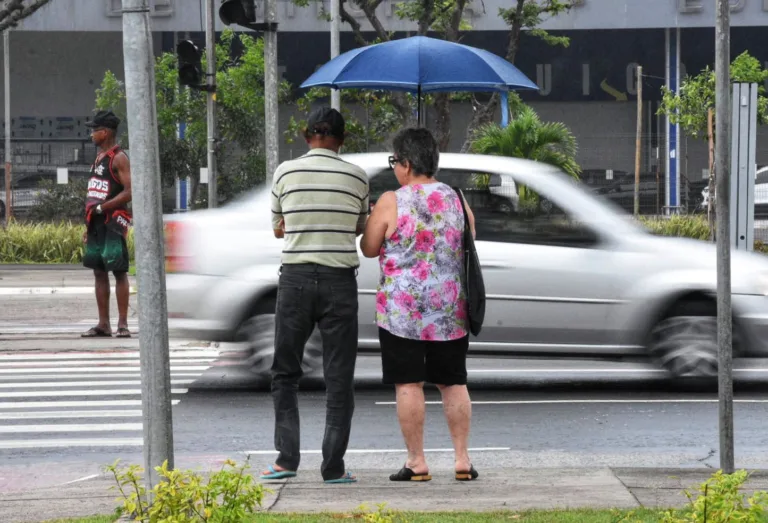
(421, 310)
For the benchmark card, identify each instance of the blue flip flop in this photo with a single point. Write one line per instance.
(346, 478)
(277, 474)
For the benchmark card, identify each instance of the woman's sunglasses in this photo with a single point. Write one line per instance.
(394, 160)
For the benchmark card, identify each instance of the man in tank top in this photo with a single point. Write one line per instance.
(107, 221)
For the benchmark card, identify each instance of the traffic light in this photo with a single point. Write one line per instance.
(190, 66)
(243, 12)
(240, 12)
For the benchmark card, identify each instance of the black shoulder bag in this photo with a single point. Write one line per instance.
(473, 277)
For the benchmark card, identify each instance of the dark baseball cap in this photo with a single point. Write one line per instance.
(104, 119)
(326, 120)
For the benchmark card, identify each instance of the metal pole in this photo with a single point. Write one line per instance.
(270, 91)
(335, 38)
(722, 204)
(7, 84)
(210, 47)
(150, 268)
(638, 137)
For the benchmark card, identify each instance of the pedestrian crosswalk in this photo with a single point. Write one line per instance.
(83, 399)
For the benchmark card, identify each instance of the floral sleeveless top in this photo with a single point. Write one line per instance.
(420, 294)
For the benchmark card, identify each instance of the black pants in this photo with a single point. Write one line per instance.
(310, 295)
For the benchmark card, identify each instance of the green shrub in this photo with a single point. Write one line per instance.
(695, 227)
(46, 243)
(720, 500)
(228, 495)
(58, 202)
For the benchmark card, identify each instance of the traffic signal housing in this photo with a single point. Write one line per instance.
(243, 13)
(190, 65)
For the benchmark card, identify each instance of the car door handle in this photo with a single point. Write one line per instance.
(494, 265)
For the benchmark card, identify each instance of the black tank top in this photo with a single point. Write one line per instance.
(103, 184)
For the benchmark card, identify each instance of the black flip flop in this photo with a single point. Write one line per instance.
(467, 475)
(123, 332)
(406, 474)
(96, 332)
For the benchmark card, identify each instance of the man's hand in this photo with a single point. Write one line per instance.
(85, 237)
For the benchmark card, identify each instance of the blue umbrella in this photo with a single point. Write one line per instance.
(420, 64)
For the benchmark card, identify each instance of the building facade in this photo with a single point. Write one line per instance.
(60, 54)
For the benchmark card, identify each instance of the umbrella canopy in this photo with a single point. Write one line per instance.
(420, 64)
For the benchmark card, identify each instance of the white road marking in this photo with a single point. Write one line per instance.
(71, 393)
(379, 451)
(16, 291)
(85, 427)
(61, 404)
(555, 402)
(54, 370)
(103, 363)
(61, 443)
(71, 414)
(78, 480)
(58, 384)
(132, 374)
(110, 355)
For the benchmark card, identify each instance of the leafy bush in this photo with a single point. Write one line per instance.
(58, 202)
(185, 497)
(695, 227)
(46, 243)
(720, 500)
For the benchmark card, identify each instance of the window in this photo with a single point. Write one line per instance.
(508, 212)
(382, 182)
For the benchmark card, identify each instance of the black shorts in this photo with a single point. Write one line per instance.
(105, 248)
(413, 361)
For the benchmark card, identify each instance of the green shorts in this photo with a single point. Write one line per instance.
(105, 248)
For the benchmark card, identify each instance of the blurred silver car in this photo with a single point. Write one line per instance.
(567, 274)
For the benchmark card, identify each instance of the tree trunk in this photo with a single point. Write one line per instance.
(443, 120)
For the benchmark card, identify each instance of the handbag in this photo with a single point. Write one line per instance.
(473, 276)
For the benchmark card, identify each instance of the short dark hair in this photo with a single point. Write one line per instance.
(326, 121)
(419, 148)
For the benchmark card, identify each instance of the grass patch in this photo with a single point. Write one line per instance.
(534, 516)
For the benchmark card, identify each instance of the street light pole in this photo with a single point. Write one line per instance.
(722, 205)
(148, 222)
(7, 84)
(210, 48)
(271, 141)
(335, 47)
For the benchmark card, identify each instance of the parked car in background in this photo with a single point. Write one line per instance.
(568, 274)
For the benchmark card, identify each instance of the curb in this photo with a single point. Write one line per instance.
(41, 267)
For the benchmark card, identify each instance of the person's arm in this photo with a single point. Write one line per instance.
(278, 220)
(365, 209)
(378, 223)
(122, 168)
(470, 216)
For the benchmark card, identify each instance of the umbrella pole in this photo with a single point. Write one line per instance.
(418, 107)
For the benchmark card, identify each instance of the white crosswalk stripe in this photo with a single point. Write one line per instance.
(83, 399)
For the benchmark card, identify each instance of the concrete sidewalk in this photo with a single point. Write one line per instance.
(501, 489)
(46, 281)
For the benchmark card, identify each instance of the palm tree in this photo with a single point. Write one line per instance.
(528, 137)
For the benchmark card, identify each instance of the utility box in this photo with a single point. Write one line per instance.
(743, 144)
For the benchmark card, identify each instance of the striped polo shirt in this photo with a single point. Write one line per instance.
(324, 200)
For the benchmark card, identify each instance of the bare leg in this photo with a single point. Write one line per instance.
(458, 412)
(102, 299)
(122, 291)
(410, 413)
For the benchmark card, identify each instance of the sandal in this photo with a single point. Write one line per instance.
(123, 332)
(346, 478)
(273, 473)
(406, 474)
(467, 475)
(96, 332)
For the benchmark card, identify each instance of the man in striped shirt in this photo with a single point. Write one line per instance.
(319, 206)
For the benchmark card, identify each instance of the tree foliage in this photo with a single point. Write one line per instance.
(240, 117)
(529, 138)
(690, 106)
(13, 11)
(445, 19)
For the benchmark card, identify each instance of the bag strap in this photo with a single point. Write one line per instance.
(463, 208)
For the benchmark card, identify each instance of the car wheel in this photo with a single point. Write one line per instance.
(258, 332)
(685, 341)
